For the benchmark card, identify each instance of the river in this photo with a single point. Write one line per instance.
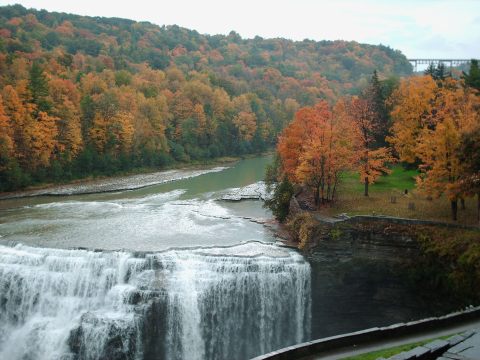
(172, 271)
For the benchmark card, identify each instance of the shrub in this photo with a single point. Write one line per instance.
(280, 202)
(302, 226)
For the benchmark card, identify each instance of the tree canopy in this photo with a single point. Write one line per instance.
(83, 95)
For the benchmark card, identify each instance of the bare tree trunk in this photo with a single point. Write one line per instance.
(478, 207)
(454, 207)
(334, 192)
(366, 186)
(462, 203)
(317, 196)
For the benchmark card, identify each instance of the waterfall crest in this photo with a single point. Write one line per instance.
(209, 303)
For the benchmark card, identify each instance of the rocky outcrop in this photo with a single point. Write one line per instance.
(118, 342)
(256, 191)
(294, 207)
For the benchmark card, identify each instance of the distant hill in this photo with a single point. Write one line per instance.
(85, 95)
(117, 43)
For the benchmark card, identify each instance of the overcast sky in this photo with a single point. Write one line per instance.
(419, 28)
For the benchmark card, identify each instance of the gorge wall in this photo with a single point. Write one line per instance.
(365, 273)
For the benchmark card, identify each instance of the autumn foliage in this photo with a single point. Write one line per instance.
(372, 161)
(315, 148)
(432, 121)
(83, 96)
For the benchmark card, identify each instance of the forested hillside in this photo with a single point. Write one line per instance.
(82, 96)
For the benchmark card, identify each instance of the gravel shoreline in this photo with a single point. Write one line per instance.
(113, 184)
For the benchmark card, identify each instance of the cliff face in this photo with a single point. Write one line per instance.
(366, 238)
(363, 275)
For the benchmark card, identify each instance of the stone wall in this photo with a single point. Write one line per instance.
(371, 336)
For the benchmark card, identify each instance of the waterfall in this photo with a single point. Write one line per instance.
(207, 303)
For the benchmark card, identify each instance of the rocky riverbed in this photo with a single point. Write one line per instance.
(256, 191)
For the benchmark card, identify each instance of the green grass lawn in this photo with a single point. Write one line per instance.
(400, 179)
(387, 197)
(386, 353)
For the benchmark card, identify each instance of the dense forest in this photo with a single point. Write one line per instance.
(82, 96)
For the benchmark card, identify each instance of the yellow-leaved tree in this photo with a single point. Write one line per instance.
(434, 133)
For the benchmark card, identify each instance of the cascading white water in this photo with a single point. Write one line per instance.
(211, 303)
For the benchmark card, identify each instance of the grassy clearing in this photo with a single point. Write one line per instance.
(386, 353)
(400, 179)
(387, 197)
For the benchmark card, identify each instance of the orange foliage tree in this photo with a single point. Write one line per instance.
(6, 141)
(412, 103)
(371, 162)
(315, 148)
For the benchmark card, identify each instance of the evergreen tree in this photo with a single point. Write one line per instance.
(280, 202)
(438, 73)
(469, 153)
(472, 79)
(376, 95)
(38, 86)
(430, 70)
(441, 73)
(87, 107)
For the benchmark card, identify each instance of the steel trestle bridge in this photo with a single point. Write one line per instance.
(450, 62)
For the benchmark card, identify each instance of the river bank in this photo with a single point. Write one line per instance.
(126, 181)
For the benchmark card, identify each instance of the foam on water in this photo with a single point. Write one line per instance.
(255, 191)
(212, 303)
(149, 223)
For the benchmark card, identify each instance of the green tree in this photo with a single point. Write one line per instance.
(472, 79)
(430, 70)
(470, 157)
(438, 73)
(87, 107)
(38, 86)
(441, 72)
(376, 94)
(279, 203)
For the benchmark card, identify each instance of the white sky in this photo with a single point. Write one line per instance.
(419, 28)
